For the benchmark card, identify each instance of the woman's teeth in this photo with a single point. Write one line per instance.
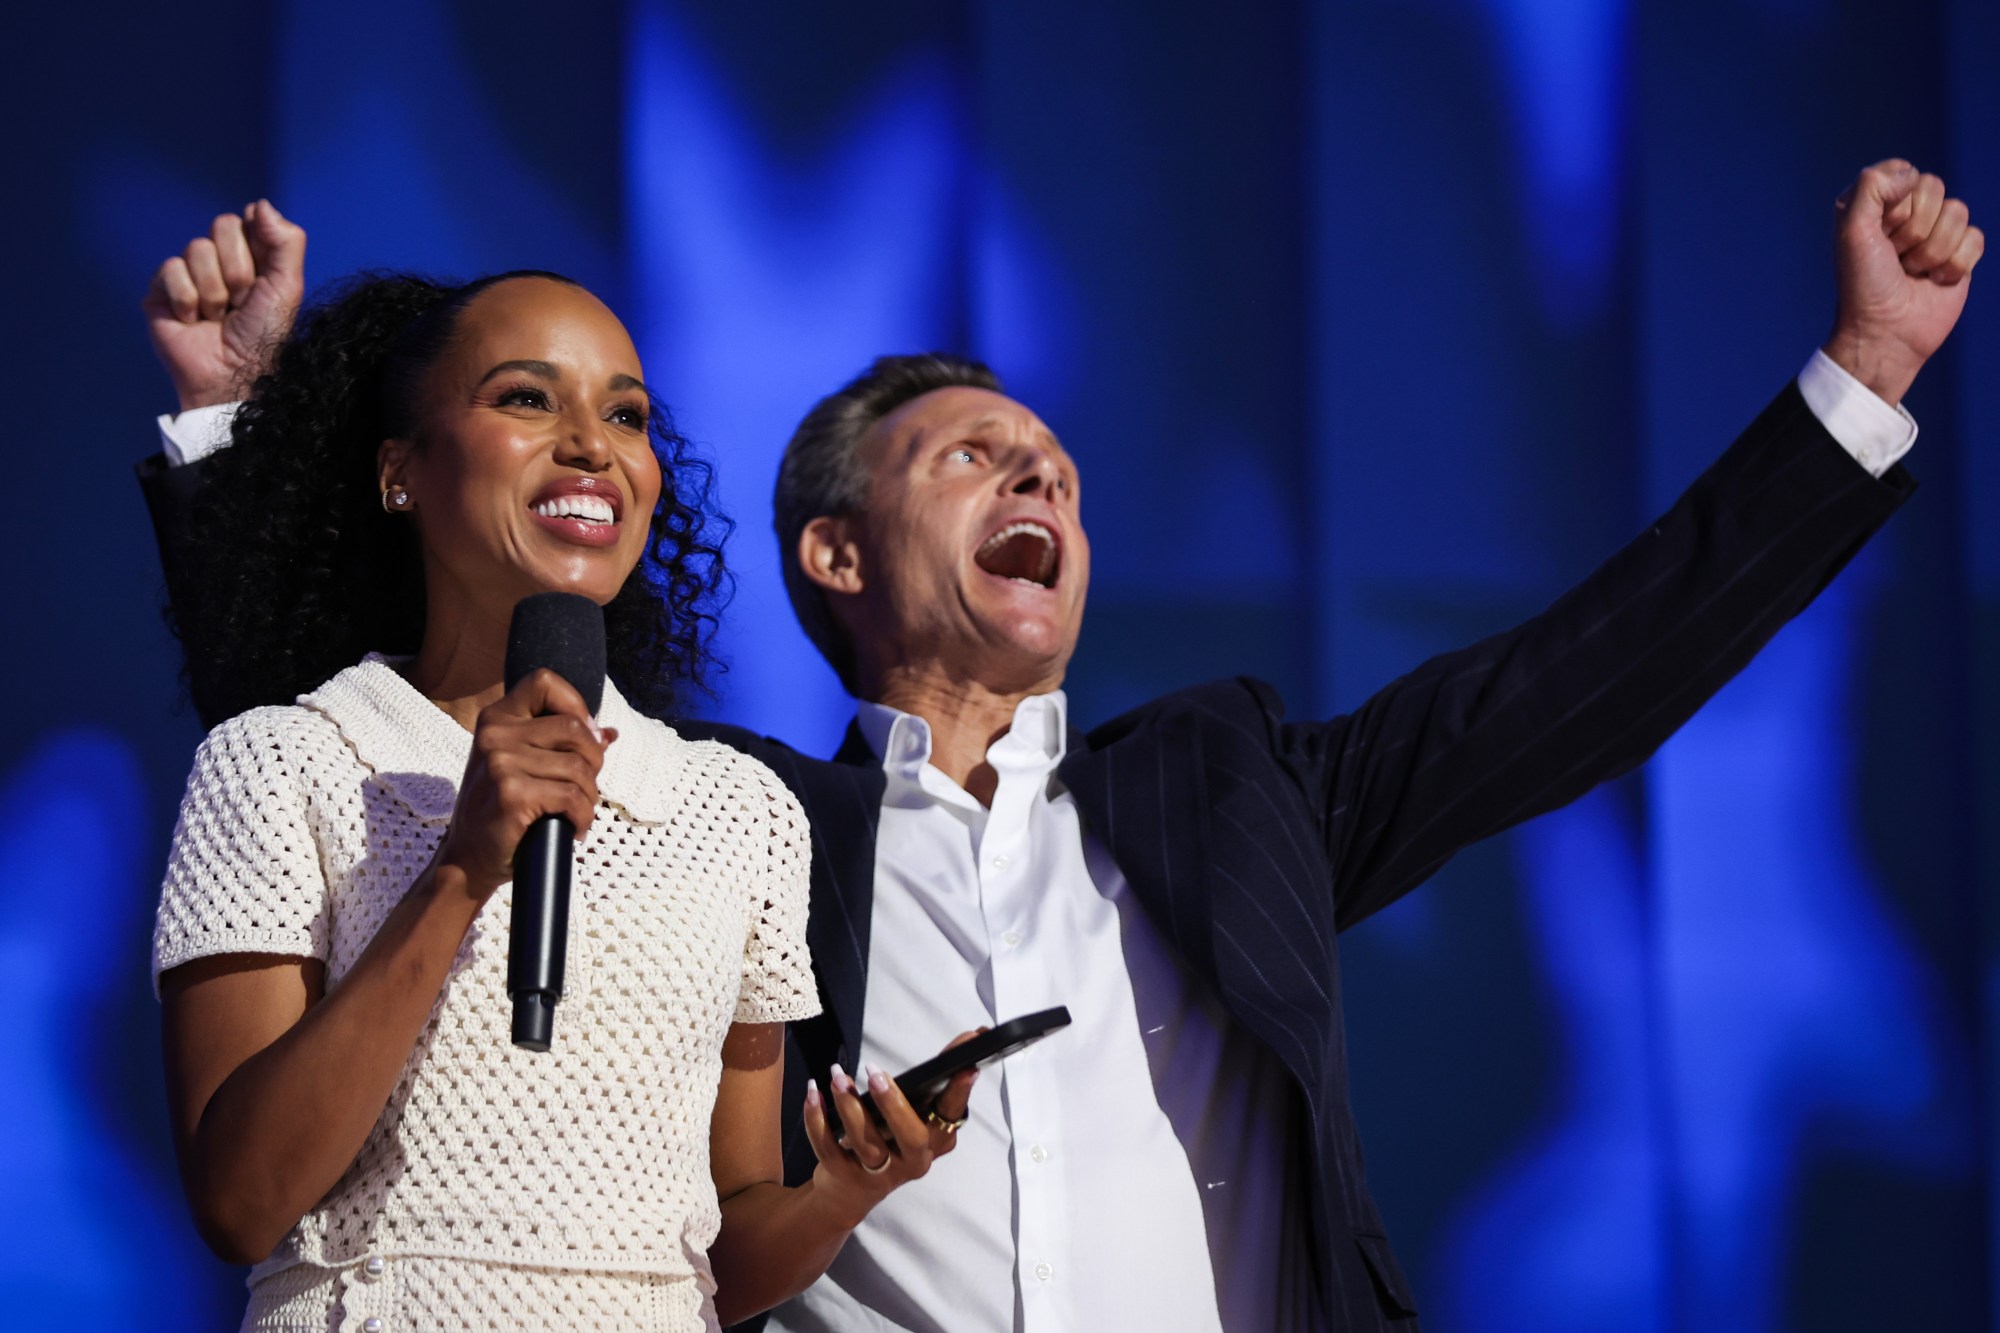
(589, 508)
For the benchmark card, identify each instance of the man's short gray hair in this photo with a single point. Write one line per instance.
(822, 475)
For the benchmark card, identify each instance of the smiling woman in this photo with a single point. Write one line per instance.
(349, 1115)
(304, 568)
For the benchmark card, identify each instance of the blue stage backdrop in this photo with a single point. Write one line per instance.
(1372, 325)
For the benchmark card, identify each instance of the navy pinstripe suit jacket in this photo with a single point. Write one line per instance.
(1253, 841)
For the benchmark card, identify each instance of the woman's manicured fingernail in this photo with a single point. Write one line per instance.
(840, 1081)
(877, 1080)
(596, 732)
(812, 1093)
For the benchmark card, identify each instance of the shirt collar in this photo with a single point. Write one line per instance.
(1037, 737)
(420, 751)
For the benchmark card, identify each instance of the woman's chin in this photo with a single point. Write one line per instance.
(596, 575)
(595, 590)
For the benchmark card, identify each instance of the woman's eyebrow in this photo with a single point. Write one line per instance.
(542, 368)
(621, 381)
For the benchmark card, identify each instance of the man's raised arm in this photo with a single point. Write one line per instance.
(216, 311)
(1478, 740)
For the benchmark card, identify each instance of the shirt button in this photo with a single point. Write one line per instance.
(373, 1268)
(371, 1325)
(999, 863)
(1038, 1154)
(1042, 1271)
(1012, 939)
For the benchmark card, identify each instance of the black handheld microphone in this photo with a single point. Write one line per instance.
(565, 633)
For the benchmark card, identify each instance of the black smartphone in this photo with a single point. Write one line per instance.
(926, 1082)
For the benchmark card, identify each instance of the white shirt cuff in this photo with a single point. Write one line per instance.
(1874, 432)
(196, 433)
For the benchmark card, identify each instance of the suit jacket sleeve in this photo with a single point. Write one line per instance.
(1481, 739)
(170, 497)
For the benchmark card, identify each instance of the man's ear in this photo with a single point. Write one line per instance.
(830, 555)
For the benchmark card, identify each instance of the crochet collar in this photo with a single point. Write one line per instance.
(420, 751)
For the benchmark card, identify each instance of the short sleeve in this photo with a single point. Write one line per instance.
(244, 873)
(777, 984)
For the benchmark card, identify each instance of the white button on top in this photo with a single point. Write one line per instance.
(371, 1325)
(1011, 939)
(1042, 1271)
(374, 1266)
(999, 863)
(1038, 1154)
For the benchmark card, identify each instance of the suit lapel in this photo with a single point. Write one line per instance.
(1210, 856)
(1142, 794)
(843, 801)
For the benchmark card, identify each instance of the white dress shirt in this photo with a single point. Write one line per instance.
(1073, 1200)
(1135, 1170)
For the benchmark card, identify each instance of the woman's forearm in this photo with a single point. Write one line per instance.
(282, 1128)
(775, 1242)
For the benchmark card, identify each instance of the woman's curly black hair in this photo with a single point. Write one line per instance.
(302, 572)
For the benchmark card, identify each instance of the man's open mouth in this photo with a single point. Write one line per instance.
(1024, 551)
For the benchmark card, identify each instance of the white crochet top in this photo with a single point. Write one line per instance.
(302, 826)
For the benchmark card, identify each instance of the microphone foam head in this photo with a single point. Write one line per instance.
(564, 632)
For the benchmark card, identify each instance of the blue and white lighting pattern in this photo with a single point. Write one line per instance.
(1697, 1053)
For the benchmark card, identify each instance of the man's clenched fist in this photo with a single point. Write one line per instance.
(1903, 251)
(219, 308)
